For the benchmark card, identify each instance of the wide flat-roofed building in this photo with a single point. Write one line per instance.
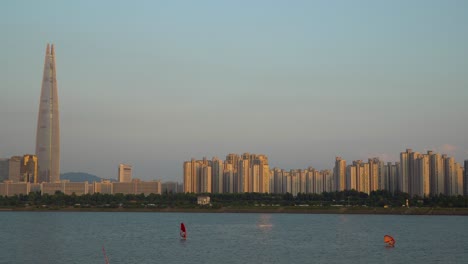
(52, 187)
(123, 187)
(10, 188)
(78, 188)
(17, 188)
(104, 187)
(148, 187)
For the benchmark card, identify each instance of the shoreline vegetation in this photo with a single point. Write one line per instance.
(266, 209)
(343, 202)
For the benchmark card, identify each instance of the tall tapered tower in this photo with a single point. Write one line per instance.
(48, 131)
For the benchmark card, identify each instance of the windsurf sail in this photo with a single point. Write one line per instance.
(183, 232)
(105, 255)
(390, 241)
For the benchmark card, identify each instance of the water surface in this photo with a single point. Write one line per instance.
(78, 237)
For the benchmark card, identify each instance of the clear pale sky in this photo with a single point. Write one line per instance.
(155, 83)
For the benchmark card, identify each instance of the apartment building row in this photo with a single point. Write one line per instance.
(415, 173)
(237, 174)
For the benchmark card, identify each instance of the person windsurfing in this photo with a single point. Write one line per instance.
(183, 231)
(390, 241)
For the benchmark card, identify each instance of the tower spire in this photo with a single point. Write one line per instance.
(48, 49)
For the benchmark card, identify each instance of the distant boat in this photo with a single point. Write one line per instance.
(183, 232)
(105, 255)
(390, 241)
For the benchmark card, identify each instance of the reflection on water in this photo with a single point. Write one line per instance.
(264, 222)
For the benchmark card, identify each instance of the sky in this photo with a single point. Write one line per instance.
(155, 83)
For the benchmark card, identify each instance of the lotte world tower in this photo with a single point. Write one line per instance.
(48, 131)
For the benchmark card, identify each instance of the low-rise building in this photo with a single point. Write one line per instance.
(203, 200)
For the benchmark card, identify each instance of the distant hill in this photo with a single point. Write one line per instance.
(80, 177)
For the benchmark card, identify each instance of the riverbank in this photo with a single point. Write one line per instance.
(269, 210)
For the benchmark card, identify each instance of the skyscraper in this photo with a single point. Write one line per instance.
(48, 132)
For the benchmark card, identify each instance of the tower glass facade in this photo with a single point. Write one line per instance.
(48, 132)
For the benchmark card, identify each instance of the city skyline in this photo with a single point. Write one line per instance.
(212, 78)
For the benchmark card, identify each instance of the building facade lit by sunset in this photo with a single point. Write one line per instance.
(124, 173)
(245, 173)
(415, 173)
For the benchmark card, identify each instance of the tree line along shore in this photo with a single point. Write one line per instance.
(344, 202)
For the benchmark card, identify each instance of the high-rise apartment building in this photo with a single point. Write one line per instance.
(205, 179)
(413, 173)
(422, 178)
(328, 180)
(228, 178)
(277, 180)
(125, 173)
(243, 179)
(363, 177)
(264, 173)
(459, 169)
(393, 176)
(340, 174)
(351, 177)
(465, 179)
(437, 177)
(450, 175)
(358, 164)
(404, 175)
(374, 164)
(217, 175)
(188, 177)
(14, 169)
(310, 180)
(48, 130)
(3, 169)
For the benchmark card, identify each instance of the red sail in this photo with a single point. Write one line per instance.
(389, 240)
(183, 232)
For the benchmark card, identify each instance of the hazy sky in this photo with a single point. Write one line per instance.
(154, 83)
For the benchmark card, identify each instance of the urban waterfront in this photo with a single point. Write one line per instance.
(78, 237)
